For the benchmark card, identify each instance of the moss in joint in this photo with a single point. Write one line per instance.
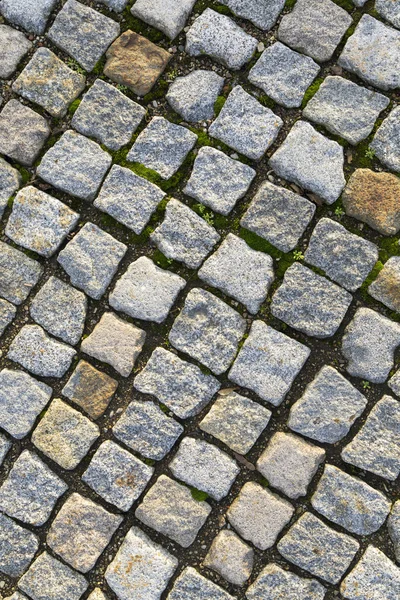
(311, 91)
(198, 494)
(74, 106)
(219, 104)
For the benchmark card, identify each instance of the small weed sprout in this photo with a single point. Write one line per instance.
(73, 64)
(339, 212)
(369, 153)
(298, 255)
(366, 385)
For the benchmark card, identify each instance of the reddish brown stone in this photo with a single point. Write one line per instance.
(134, 61)
(90, 389)
(374, 198)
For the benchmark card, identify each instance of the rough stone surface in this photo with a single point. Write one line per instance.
(246, 125)
(289, 463)
(10, 181)
(394, 528)
(389, 10)
(320, 550)
(115, 342)
(272, 512)
(375, 447)
(274, 582)
(147, 575)
(75, 165)
(81, 531)
(310, 303)
(345, 108)
(394, 383)
(344, 257)
(128, 198)
(65, 435)
(169, 507)
(315, 27)
(32, 15)
(61, 581)
(240, 272)
(190, 585)
(7, 314)
(47, 81)
(373, 53)
(39, 353)
(162, 146)
(184, 236)
(278, 215)
(145, 291)
(311, 160)
(97, 594)
(375, 577)
(107, 115)
(193, 96)
(169, 16)
(39, 222)
(22, 398)
(205, 467)
(83, 33)
(328, 408)
(91, 259)
(219, 37)
(17, 547)
(349, 502)
(145, 428)
(18, 274)
(230, 557)
(262, 13)
(369, 343)
(386, 142)
(134, 61)
(176, 383)
(23, 132)
(217, 180)
(90, 389)
(386, 287)
(208, 330)
(268, 362)
(116, 475)
(283, 74)
(13, 47)
(236, 421)
(31, 490)
(5, 445)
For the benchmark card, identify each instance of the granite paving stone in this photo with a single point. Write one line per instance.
(10, 182)
(328, 407)
(128, 198)
(221, 38)
(145, 291)
(65, 435)
(39, 222)
(278, 215)
(49, 82)
(262, 13)
(116, 475)
(240, 272)
(18, 274)
(230, 557)
(61, 581)
(345, 108)
(386, 144)
(83, 33)
(190, 585)
(283, 74)
(236, 421)
(178, 384)
(389, 10)
(115, 342)
(169, 507)
(318, 549)
(5, 445)
(312, 161)
(208, 330)
(162, 146)
(217, 180)
(167, 15)
(18, 546)
(107, 115)
(204, 466)
(13, 47)
(374, 576)
(369, 344)
(386, 287)
(184, 235)
(17, 596)
(97, 594)
(345, 258)
(22, 398)
(309, 302)
(246, 125)
(90, 389)
(23, 132)
(273, 513)
(375, 447)
(81, 531)
(75, 165)
(146, 429)
(273, 581)
(394, 528)
(30, 490)
(91, 259)
(394, 383)
(193, 96)
(7, 314)
(32, 15)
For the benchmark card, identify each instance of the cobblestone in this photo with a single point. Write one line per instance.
(13, 45)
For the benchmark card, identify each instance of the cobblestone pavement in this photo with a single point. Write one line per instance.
(199, 299)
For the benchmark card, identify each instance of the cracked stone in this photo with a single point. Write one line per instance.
(10, 181)
(32, 15)
(386, 144)
(311, 160)
(230, 557)
(90, 389)
(246, 125)
(18, 546)
(65, 435)
(193, 96)
(386, 287)
(283, 74)
(190, 585)
(221, 38)
(268, 363)
(262, 13)
(13, 47)
(394, 528)
(273, 581)
(18, 274)
(61, 581)
(167, 15)
(7, 314)
(374, 576)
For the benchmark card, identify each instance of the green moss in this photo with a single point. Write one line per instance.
(222, 9)
(290, 4)
(159, 91)
(258, 243)
(371, 277)
(346, 4)
(204, 212)
(362, 159)
(222, 222)
(74, 106)
(73, 64)
(390, 246)
(99, 66)
(266, 101)
(164, 408)
(26, 176)
(311, 91)
(198, 494)
(11, 201)
(138, 26)
(161, 260)
(219, 104)
(148, 461)
(145, 172)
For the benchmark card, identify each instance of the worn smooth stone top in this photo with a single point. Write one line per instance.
(262, 13)
(13, 47)
(193, 96)
(169, 16)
